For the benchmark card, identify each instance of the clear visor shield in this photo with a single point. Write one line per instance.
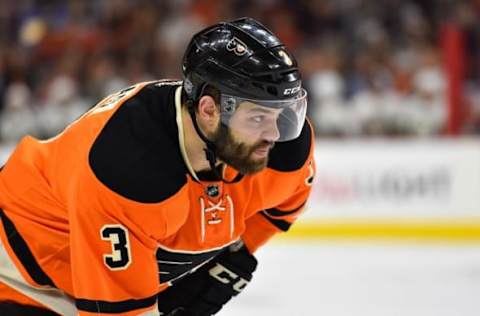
(271, 120)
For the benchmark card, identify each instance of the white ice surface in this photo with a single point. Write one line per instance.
(345, 279)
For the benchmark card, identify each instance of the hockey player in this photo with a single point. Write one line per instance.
(154, 201)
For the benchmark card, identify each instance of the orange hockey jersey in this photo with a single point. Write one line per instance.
(99, 219)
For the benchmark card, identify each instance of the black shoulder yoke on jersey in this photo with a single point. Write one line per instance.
(137, 154)
(291, 155)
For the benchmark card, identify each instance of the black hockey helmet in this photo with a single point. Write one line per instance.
(247, 63)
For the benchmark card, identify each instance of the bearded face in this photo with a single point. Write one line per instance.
(245, 138)
(245, 157)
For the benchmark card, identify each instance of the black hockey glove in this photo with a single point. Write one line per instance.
(205, 291)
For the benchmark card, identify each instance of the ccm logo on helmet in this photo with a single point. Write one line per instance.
(291, 90)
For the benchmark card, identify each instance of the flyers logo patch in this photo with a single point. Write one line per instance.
(237, 46)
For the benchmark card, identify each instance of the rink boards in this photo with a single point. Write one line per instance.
(395, 189)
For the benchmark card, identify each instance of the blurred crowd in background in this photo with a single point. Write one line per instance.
(372, 68)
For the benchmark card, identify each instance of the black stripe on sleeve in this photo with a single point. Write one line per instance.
(23, 253)
(279, 223)
(114, 307)
(275, 212)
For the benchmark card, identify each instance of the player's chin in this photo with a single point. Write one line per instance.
(256, 164)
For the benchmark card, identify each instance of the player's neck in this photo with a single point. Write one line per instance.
(194, 145)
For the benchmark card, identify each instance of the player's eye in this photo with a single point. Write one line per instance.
(257, 118)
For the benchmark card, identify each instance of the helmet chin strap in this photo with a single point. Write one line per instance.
(210, 151)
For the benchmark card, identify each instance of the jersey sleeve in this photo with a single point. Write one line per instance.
(107, 169)
(114, 270)
(267, 222)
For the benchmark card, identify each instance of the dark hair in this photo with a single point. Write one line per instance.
(208, 90)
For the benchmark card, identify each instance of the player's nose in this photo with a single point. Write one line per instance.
(271, 132)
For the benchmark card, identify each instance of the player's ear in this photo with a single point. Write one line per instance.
(208, 113)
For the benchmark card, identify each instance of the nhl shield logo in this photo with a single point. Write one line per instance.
(212, 190)
(237, 46)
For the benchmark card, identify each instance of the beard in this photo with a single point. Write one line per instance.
(238, 154)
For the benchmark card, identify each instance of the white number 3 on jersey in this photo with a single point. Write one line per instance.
(120, 257)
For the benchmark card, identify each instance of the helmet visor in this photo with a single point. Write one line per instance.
(273, 120)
